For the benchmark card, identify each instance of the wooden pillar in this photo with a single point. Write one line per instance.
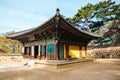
(23, 50)
(67, 51)
(56, 51)
(46, 50)
(28, 50)
(80, 52)
(32, 51)
(46, 55)
(85, 51)
(28, 56)
(39, 50)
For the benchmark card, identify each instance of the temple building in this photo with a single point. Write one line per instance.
(56, 39)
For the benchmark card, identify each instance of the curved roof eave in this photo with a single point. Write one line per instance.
(16, 34)
(83, 31)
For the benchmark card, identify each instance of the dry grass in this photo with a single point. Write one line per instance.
(5, 60)
(109, 52)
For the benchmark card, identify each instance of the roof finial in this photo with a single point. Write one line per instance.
(57, 11)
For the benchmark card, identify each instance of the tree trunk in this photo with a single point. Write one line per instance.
(118, 30)
(111, 39)
(86, 23)
(115, 22)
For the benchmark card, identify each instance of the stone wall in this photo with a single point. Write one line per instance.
(109, 52)
(7, 57)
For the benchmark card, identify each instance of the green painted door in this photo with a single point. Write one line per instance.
(61, 51)
(50, 49)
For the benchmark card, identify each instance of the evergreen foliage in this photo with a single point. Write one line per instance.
(102, 18)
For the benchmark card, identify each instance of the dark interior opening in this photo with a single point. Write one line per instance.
(44, 50)
(25, 50)
(35, 51)
(29, 51)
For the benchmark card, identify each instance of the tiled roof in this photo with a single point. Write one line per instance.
(35, 28)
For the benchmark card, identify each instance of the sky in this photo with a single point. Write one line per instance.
(18, 15)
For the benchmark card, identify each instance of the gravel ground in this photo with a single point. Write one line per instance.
(101, 69)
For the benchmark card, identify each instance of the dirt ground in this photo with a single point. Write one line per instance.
(101, 69)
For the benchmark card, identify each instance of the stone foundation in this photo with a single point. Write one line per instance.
(58, 66)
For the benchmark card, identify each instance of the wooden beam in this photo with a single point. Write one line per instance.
(67, 51)
(56, 51)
